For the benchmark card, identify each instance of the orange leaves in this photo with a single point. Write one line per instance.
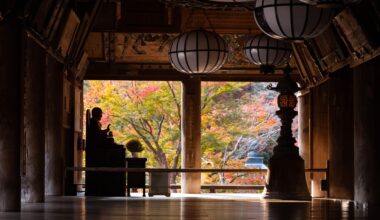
(141, 91)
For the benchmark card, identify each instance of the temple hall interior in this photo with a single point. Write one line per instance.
(59, 161)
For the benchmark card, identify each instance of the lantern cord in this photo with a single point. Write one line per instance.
(188, 18)
(208, 20)
(206, 16)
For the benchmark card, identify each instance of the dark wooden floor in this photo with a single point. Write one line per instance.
(205, 206)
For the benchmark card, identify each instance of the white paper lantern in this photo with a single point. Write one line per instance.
(329, 3)
(198, 51)
(267, 52)
(291, 19)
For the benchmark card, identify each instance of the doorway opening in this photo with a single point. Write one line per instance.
(238, 122)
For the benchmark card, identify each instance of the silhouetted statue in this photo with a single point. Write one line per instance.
(102, 151)
(96, 136)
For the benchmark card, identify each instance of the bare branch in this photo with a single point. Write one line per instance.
(178, 104)
(206, 100)
(146, 141)
(160, 128)
(175, 161)
(231, 153)
(149, 125)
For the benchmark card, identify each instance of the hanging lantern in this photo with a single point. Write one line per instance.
(267, 52)
(291, 19)
(329, 3)
(198, 51)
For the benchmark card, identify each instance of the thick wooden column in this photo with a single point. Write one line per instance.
(54, 158)
(341, 137)
(304, 131)
(33, 139)
(10, 113)
(191, 134)
(319, 135)
(367, 134)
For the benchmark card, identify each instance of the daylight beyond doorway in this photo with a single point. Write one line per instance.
(237, 118)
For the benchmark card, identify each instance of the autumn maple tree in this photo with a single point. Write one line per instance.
(237, 117)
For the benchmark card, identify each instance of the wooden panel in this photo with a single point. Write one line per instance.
(341, 137)
(148, 16)
(67, 103)
(55, 22)
(77, 110)
(320, 132)
(42, 14)
(95, 46)
(367, 14)
(309, 70)
(329, 50)
(86, 24)
(366, 133)
(82, 67)
(220, 21)
(353, 35)
(153, 16)
(142, 47)
(107, 18)
(53, 128)
(304, 131)
(68, 34)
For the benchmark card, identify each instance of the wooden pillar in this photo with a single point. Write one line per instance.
(341, 137)
(10, 113)
(33, 139)
(366, 134)
(78, 131)
(191, 134)
(319, 135)
(304, 131)
(53, 128)
(69, 132)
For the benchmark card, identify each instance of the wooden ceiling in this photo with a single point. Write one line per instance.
(132, 37)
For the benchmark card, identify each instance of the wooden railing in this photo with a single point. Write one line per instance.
(185, 170)
(211, 188)
(214, 187)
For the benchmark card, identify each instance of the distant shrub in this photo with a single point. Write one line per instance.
(134, 146)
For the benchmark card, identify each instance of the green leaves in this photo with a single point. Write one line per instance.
(236, 117)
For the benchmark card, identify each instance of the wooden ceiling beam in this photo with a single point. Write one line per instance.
(119, 71)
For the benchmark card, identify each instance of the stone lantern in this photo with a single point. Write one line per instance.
(286, 174)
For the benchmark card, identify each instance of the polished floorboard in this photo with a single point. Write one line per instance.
(185, 207)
